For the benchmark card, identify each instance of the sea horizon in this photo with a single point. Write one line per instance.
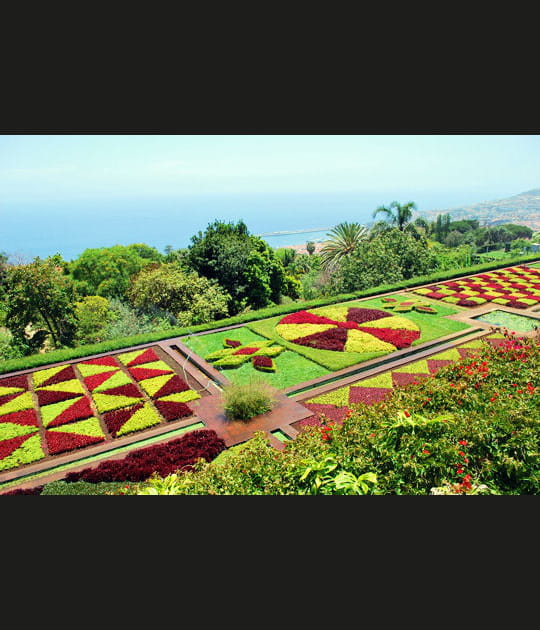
(68, 227)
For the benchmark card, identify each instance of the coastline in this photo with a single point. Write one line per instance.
(301, 249)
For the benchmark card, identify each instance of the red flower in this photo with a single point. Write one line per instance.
(463, 442)
(407, 414)
(426, 451)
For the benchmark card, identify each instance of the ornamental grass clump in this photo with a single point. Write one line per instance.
(246, 400)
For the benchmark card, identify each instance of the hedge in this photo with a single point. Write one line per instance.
(67, 354)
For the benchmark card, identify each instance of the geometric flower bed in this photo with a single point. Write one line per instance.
(64, 408)
(348, 329)
(336, 404)
(517, 287)
(235, 354)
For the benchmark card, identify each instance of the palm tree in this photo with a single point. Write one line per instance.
(396, 215)
(344, 238)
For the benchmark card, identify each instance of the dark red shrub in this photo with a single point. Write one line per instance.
(232, 343)
(466, 302)
(164, 459)
(47, 397)
(37, 490)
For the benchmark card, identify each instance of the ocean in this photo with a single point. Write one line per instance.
(69, 227)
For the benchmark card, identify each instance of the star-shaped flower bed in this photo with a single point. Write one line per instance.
(235, 354)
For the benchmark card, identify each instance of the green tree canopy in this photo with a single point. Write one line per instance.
(396, 215)
(390, 257)
(191, 298)
(342, 240)
(244, 265)
(107, 271)
(93, 314)
(40, 295)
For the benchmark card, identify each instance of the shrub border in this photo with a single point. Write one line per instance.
(67, 354)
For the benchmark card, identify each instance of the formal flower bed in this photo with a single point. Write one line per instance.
(337, 404)
(65, 408)
(235, 354)
(352, 330)
(517, 287)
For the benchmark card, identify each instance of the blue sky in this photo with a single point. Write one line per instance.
(74, 167)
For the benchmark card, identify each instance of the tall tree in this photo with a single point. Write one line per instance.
(244, 265)
(396, 214)
(39, 294)
(343, 239)
(107, 271)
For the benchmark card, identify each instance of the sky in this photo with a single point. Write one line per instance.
(467, 168)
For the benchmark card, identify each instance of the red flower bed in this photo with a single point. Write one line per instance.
(465, 302)
(67, 374)
(347, 325)
(435, 295)
(28, 417)
(303, 317)
(8, 446)
(397, 337)
(363, 315)
(61, 442)
(262, 362)
(102, 361)
(116, 419)
(232, 343)
(164, 459)
(246, 350)
(146, 357)
(174, 385)
(332, 339)
(78, 411)
(47, 397)
(517, 304)
(172, 410)
(15, 381)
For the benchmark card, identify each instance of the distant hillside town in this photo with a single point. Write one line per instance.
(523, 209)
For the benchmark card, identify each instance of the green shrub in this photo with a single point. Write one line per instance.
(83, 488)
(247, 400)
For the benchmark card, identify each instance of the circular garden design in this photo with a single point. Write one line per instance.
(348, 329)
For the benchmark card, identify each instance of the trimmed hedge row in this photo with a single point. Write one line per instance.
(66, 354)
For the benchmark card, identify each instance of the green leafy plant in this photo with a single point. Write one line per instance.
(247, 400)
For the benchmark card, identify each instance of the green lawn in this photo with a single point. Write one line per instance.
(292, 368)
(431, 326)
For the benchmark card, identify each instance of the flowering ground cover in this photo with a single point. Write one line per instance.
(290, 367)
(65, 408)
(337, 404)
(347, 334)
(517, 287)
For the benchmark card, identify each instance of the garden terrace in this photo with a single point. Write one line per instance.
(61, 417)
